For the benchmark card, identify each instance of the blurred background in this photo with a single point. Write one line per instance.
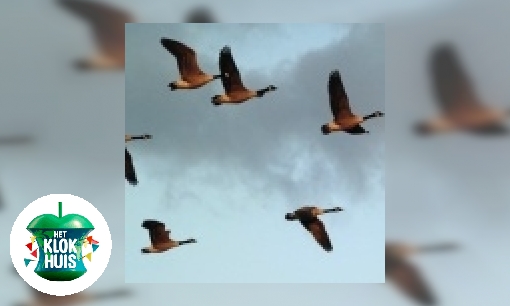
(446, 187)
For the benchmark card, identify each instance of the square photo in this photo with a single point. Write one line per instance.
(255, 153)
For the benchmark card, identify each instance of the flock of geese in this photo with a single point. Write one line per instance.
(461, 109)
(192, 77)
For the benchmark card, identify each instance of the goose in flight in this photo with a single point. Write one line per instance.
(42, 299)
(235, 92)
(461, 107)
(308, 217)
(108, 25)
(343, 118)
(160, 238)
(405, 275)
(192, 76)
(129, 166)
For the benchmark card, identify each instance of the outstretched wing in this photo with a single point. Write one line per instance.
(318, 230)
(409, 280)
(157, 231)
(185, 56)
(230, 76)
(452, 86)
(338, 99)
(108, 22)
(130, 170)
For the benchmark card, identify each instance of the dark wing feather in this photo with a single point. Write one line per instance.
(355, 130)
(185, 56)
(130, 170)
(231, 78)
(108, 22)
(157, 231)
(318, 230)
(452, 86)
(409, 280)
(338, 99)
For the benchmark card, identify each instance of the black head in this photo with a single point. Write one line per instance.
(216, 100)
(82, 64)
(378, 114)
(272, 88)
(325, 129)
(422, 129)
(172, 86)
(145, 251)
(290, 217)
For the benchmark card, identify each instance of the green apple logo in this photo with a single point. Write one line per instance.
(60, 241)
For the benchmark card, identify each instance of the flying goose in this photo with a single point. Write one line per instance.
(200, 15)
(191, 75)
(343, 118)
(108, 24)
(235, 92)
(308, 217)
(460, 105)
(129, 166)
(42, 299)
(160, 238)
(405, 275)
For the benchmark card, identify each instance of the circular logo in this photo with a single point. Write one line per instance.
(60, 244)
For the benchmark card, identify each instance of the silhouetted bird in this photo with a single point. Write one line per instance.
(308, 217)
(160, 238)
(405, 275)
(108, 23)
(343, 118)
(461, 108)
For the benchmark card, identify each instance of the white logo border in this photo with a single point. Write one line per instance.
(49, 205)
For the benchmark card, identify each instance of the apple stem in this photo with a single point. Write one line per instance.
(60, 209)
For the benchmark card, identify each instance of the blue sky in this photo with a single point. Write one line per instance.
(226, 176)
(44, 92)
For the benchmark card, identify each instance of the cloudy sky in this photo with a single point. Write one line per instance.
(227, 175)
(78, 118)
